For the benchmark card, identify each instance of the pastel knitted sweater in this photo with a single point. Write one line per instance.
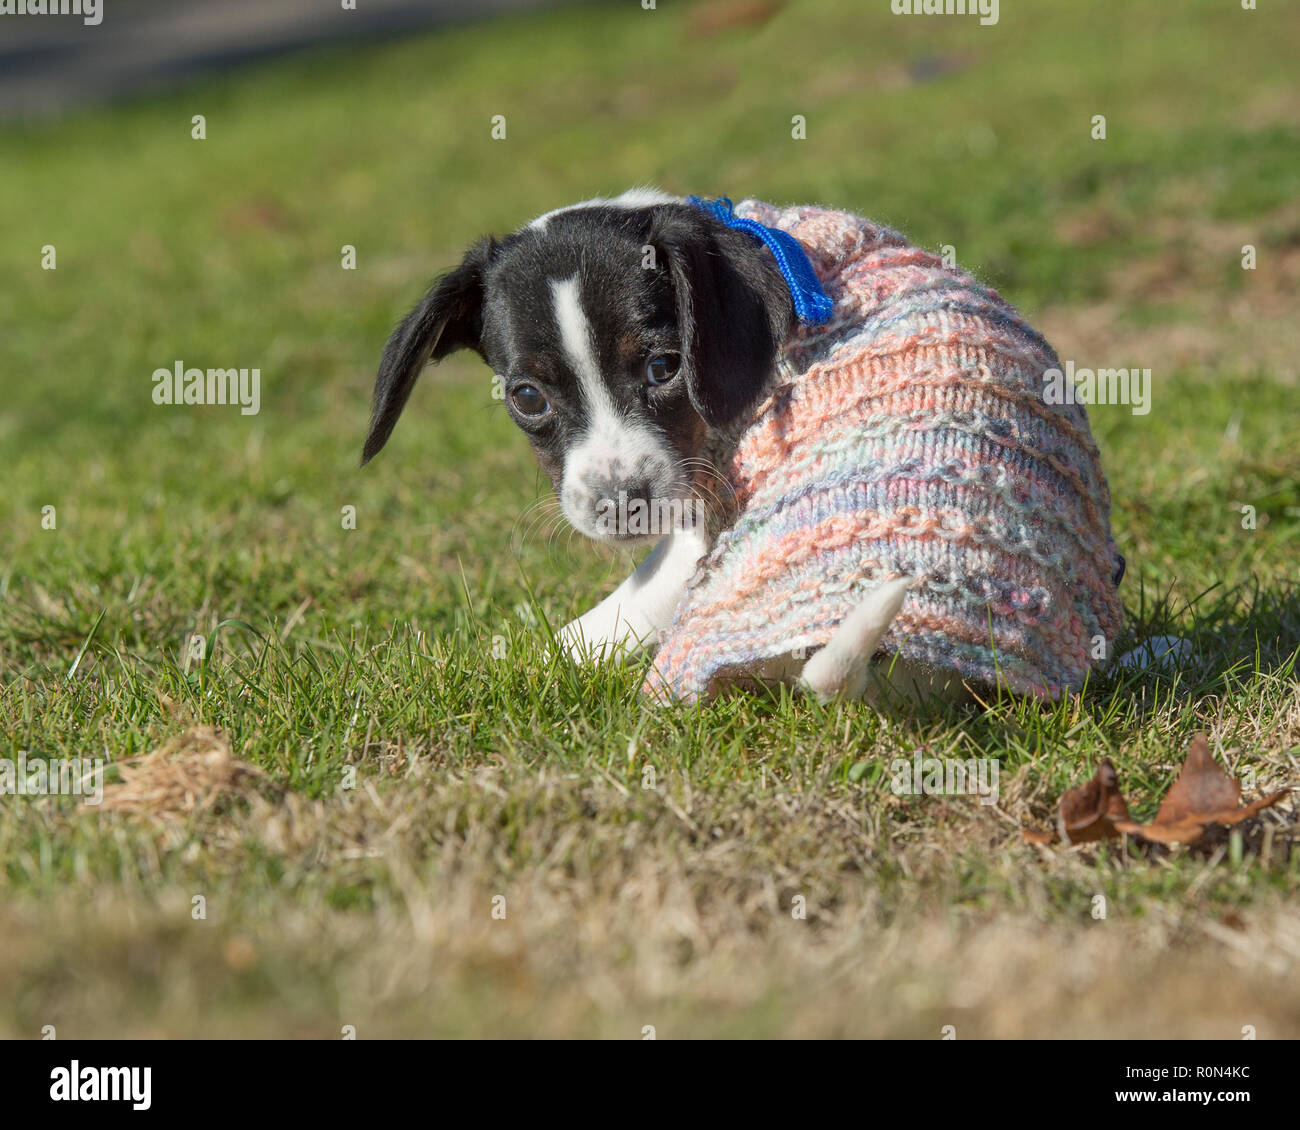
(906, 436)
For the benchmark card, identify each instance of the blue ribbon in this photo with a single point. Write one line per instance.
(812, 305)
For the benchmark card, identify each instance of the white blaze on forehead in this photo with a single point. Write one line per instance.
(575, 339)
(613, 446)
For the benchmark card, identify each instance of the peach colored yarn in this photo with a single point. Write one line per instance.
(908, 436)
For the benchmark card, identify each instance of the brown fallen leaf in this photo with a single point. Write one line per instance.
(1181, 832)
(1202, 788)
(1202, 795)
(1089, 813)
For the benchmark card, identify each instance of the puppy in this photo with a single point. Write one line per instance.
(647, 344)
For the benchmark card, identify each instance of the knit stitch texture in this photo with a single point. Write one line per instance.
(907, 436)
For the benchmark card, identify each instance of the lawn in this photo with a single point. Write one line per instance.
(402, 816)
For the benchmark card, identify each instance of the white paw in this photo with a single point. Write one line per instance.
(1167, 652)
(574, 642)
(588, 643)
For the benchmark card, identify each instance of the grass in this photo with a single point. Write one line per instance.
(408, 650)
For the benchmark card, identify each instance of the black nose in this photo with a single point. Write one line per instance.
(624, 507)
(625, 491)
(639, 489)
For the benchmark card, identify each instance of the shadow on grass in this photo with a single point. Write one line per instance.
(1234, 635)
(1238, 639)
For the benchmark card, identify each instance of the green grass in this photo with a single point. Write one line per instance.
(481, 774)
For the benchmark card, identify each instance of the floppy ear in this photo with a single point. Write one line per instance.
(733, 310)
(448, 318)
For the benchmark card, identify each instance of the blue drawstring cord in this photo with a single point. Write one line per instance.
(812, 305)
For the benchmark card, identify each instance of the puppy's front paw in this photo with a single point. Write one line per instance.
(584, 641)
(574, 642)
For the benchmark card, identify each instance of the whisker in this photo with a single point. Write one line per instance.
(537, 504)
(704, 478)
(537, 515)
(524, 530)
(556, 527)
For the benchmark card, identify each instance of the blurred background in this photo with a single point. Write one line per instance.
(53, 65)
(48, 66)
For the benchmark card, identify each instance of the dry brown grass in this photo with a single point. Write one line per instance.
(182, 779)
(628, 907)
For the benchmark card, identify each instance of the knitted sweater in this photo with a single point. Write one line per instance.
(906, 436)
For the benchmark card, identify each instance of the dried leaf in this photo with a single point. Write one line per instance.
(1202, 795)
(1089, 813)
(1179, 832)
(1202, 788)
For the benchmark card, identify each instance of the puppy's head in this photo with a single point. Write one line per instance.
(623, 332)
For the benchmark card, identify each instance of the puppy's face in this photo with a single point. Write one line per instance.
(621, 333)
(586, 344)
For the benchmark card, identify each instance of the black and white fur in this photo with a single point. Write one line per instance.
(648, 329)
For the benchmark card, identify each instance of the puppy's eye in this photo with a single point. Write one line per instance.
(661, 369)
(529, 401)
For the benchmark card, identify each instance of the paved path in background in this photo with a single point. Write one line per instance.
(51, 64)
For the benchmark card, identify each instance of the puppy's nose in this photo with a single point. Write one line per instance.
(638, 489)
(624, 507)
(620, 490)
